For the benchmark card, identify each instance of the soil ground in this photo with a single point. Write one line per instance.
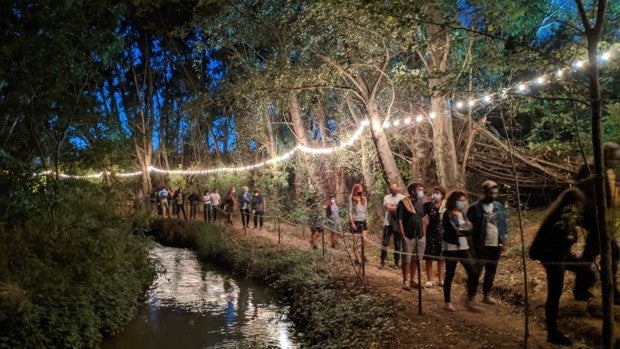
(496, 326)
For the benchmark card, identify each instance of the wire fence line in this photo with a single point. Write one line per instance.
(276, 220)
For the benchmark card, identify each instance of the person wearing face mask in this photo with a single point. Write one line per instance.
(434, 231)
(456, 229)
(409, 213)
(489, 235)
(332, 213)
(390, 202)
(358, 218)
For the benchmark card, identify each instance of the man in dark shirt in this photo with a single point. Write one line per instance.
(409, 213)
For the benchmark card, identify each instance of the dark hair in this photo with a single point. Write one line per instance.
(441, 190)
(452, 198)
(554, 213)
(412, 187)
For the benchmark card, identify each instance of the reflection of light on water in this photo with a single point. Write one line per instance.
(246, 317)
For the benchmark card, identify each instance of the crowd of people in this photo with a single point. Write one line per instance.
(173, 204)
(442, 229)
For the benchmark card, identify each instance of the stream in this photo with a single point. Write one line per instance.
(196, 305)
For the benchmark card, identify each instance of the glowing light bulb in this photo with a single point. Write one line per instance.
(365, 122)
(396, 123)
(559, 73)
(419, 118)
(407, 120)
(486, 99)
(471, 103)
(521, 87)
(540, 80)
(606, 56)
(459, 105)
(579, 64)
(432, 115)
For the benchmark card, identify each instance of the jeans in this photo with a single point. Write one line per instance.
(472, 277)
(387, 232)
(245, 217)
(181, 207)
(207, 212)
(490, 255)
(259, 215)
(193, 209)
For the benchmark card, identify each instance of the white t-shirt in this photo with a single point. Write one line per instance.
(463, 245)
(215, 199)
(206, 199)
(392, 200)
(492, 235)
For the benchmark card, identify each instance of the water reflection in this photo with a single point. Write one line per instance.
(193, 305)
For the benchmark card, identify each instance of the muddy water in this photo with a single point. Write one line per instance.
(195, 305)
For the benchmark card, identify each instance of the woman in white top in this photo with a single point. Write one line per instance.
(358, 218)
(208, 207)
(456, 228)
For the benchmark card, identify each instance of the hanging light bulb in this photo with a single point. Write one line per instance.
(521, 87)
(419, 118)
(487, 99)
(407, 120)
(471, 103)
(606, 56)
(459, 105)
(579, 64)
(540, 80)
(432, 115)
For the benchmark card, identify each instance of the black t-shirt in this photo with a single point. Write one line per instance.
(412, 222)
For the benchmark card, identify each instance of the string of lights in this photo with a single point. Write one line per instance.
(486, 99)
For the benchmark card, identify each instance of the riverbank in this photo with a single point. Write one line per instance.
(328, 306)
(500, 326)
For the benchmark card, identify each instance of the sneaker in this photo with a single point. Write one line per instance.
(473, 306)
(382, 265)
(558, 338)
(406, 286)
(394, 266)
(489, 300)
(449, 307)
(440, 284)
(428, 284)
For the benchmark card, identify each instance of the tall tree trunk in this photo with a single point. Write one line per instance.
(444, 149)
(391, 173)
(593, 35)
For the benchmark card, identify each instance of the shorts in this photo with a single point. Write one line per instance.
(359, 227)
(163, 201)
(407, 247)
(316, 230)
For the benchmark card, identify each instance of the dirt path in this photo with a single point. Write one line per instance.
(499, 326)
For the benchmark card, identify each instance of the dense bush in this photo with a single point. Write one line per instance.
(72, 266)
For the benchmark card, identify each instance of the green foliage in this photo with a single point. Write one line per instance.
(71, 270)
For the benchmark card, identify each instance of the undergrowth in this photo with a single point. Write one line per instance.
(73, 267)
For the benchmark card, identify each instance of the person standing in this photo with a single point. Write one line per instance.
(259, 206)
(207, 206)
(245, 205)
(179, 199)
(314, 221)
(552, 246)
(194, 199)
(585, 180)
(409, 213)
(434, 234)
(332, 213)
(215, 202)
(163, 201)
(358, 218)
(489, 235)
(229, 206)
(390, 202)
(455, 247)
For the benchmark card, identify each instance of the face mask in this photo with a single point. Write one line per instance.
(436, 197)
(333, 201)
(460, 205)
(420, 194)
(359, 193)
